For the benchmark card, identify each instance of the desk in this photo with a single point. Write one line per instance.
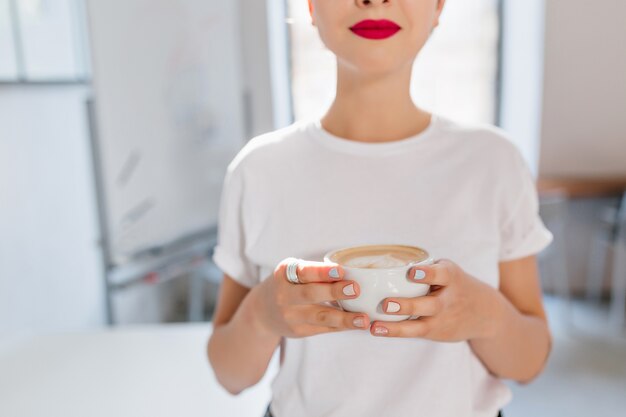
(583, 188)
(154, 371)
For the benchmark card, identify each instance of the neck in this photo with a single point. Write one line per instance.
(374, 107)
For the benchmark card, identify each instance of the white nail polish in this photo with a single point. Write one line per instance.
(358, 322)
(393, 307)
(419, 274)
(349, 290)
(380, 331)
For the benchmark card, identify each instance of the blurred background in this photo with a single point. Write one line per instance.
(118, 119)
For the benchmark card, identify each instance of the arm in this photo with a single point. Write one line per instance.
(520, 340)
(239, 350)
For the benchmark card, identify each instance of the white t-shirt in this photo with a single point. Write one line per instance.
(462, 192)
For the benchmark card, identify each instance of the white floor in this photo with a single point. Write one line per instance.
(586, 374)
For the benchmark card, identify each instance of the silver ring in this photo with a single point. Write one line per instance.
(292, 270)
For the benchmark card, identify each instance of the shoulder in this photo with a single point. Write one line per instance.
(484, 144)
(483, 137)
(270, 146)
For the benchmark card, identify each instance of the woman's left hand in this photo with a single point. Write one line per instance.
(458, 307)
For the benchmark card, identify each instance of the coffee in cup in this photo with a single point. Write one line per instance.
(381, 272)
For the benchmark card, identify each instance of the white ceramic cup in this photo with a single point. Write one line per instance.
(377, 284)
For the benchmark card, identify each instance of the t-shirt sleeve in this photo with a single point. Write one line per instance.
(522, 233)
(229, 253)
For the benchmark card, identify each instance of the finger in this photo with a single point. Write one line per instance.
(324, 316)
(331, 317)
(428, 305)
(305, 330)
(407, 328)
(435, 274)
(312, 271)
(316, 292)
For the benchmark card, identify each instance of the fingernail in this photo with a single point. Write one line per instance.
(349, 290)
(419, 274)
(381, 331)
(393, 307)
(333, 273)
(359, 322)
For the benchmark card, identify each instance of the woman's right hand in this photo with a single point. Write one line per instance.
(295, 310)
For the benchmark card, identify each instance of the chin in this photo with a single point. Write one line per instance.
(374, 65)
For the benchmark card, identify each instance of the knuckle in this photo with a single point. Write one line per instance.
(414, 332)
(437, 304)
(423, 329)
(322, 316)
(307, 292)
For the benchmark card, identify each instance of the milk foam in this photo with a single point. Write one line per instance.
(375, 261)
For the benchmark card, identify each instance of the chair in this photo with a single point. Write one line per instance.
(553, 260)
(618, 272)
(603, 240)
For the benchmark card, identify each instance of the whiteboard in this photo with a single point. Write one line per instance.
(8, 57)
(168, 110)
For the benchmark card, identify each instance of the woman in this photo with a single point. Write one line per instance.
(378, 169)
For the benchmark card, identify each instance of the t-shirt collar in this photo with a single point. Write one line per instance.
(320, 135)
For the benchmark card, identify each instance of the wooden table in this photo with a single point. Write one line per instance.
(582, 188)
(155, 371)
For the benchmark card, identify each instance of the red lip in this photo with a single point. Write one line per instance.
(375, 29)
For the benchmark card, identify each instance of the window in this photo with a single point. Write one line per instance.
(455, 74)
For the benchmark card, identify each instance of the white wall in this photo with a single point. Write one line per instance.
(50, 277)
(584, 128)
